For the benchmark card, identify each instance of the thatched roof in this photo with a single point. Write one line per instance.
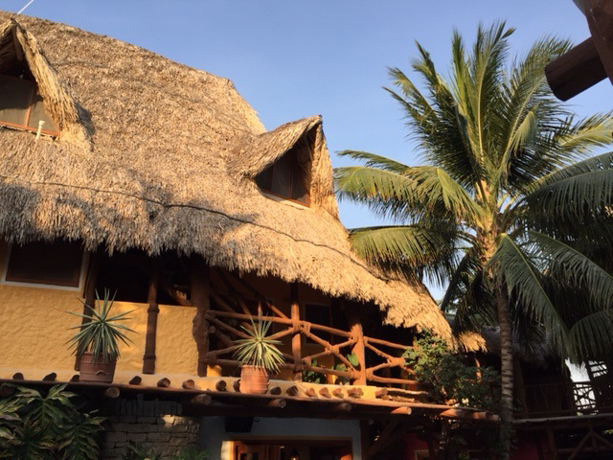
(158, 156)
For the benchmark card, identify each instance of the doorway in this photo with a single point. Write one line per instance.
(292, 450)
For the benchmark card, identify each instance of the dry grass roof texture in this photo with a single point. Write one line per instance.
(159, 156)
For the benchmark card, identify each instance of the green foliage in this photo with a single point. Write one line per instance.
(138, 452)
(318, 377)
(312, 376)
(450, 379)
(101, 334)
(505, 198)
(80, 433)
(258, 349)
(35, 426)
(191, 453)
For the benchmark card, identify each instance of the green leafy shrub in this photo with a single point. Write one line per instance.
(34, 426)
(136, 451)
(450, 379)
(139, 452)
(192, 453)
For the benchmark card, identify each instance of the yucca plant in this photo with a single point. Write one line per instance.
(101, 334)
(258, 349)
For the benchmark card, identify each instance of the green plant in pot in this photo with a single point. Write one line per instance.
(258, 355)
(97, 341)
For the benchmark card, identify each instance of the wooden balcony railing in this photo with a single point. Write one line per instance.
(564, 398)
(376, 357)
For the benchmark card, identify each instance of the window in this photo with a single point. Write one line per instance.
(286, 178)
(22, 106)
(55, 263)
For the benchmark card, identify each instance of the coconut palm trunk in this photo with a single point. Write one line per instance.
(506, 370)
(508, 207)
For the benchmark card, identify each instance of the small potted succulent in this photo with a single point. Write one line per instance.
(97, 341)
(259, 357)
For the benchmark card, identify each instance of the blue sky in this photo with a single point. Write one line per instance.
(291, 59)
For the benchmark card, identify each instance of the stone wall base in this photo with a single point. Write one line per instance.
(165, 434)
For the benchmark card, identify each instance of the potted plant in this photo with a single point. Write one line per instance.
(96, 343)
(258, 355)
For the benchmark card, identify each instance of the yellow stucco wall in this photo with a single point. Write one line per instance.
(175, 348)
(35, 327)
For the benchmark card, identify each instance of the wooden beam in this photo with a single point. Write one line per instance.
(202, 399)
(599, 14)
(152, 318)
(575, 71)
(296, 339)
(199, 291)
(112, 392)
(189, 384)
(89, 292)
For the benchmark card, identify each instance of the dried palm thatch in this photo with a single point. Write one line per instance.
(167, 161)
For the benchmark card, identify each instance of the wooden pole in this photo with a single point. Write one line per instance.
(296, 339)
(200, 297)
(89, 292)
(152, 319)
(575, 71)
(357, 333)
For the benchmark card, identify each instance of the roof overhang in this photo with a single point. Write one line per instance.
(589, 62)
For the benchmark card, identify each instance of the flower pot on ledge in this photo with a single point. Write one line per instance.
(94, 369)
(254, 380)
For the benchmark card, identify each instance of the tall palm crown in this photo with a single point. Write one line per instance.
(501, 211)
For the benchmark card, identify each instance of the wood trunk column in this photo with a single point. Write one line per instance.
(152, 319)
(89, 292)
(296, 339)
(200, 297)
(357, 333)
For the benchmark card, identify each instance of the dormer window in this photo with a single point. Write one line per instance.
(286, 178)
(21, 105)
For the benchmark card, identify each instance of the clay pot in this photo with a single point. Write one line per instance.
(95, 369)
(254, 380)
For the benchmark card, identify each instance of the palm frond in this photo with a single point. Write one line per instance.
(524, 283)
(573, 268)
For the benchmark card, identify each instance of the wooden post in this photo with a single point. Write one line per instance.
(89, 291)
(152, 319)
(357, 332)
(575, 71)
(296, 339)
(200, 297)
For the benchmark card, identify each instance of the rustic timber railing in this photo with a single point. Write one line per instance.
(566, 398)
(230, 310)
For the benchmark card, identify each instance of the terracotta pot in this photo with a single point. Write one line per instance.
(254, 380)
(95, 369)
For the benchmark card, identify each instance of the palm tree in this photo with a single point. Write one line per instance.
(506, 204)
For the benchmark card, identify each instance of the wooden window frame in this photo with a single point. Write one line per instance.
(44, 285)
(266, 191)
(26, 126)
